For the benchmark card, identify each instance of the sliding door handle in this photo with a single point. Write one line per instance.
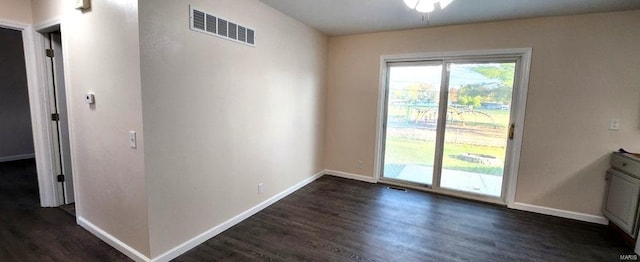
(512, 129)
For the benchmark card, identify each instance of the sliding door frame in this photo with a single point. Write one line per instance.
(383, 131)
(519, 99)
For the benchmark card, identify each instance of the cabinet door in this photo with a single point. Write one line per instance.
(621, 204)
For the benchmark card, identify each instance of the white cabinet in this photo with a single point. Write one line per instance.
(623, 193)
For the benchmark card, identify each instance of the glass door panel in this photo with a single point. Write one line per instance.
(477, 127)
(413, 99)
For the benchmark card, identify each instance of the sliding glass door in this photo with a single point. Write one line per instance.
(413, 103)
(477, 126)
(447, 124)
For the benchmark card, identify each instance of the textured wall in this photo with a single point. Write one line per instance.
(102, 54)
(584, 71)
(221, 117)
(16, 11)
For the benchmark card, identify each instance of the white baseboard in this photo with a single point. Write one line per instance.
(350, 176)
(189, 244)
(560, 213)
(519, 206)
(16, 157)
(112, 241)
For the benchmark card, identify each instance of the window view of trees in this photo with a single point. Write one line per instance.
(497, 92)
(476, 126)
(417, 93)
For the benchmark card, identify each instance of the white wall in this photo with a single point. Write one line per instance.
(221, 117)
(46, 10)
(16, 138)
(584, 71)
(18, 11)
(102, 56)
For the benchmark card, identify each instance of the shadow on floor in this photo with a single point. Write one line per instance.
(31, 233)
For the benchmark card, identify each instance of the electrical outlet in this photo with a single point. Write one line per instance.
(359, 165)
(260, 189)
(614, 124)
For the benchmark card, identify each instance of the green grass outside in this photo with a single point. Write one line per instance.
(418, 152)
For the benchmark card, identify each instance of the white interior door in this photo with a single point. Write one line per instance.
(60, 117)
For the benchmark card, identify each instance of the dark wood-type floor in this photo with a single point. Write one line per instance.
(331, 219)
(335, 219)
(31, 233)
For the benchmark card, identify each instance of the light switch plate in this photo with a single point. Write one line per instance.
(133, 141)
(614, 124)
(82, 4)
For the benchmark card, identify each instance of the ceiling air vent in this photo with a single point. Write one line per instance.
(203, 22)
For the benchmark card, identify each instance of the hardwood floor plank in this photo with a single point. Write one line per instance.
(335, 219)
(31, 233)
(331, 219)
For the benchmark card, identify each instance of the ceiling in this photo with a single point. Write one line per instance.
(343, 17)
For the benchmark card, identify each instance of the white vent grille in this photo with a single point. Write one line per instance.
(233, 31)
(242, 34)
(198, 20)
(250, 36)
(222, 27)
(210, 24)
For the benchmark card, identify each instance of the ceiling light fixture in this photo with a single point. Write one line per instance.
(426, 6)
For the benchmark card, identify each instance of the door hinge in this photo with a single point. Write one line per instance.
(49, 52)
(512, 129)
(55, 117)
(60, 178)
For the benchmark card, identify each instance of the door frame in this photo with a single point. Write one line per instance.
(40, 32)
(39, 102)
(518, 106)
(59, 101)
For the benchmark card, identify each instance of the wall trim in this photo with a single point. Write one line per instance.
(367, 179)
(17, 157)
(49, 23)
(113, 241)
(517, 205)
(560, 213)
(40, 123)
(8, 24)
(199, 239)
